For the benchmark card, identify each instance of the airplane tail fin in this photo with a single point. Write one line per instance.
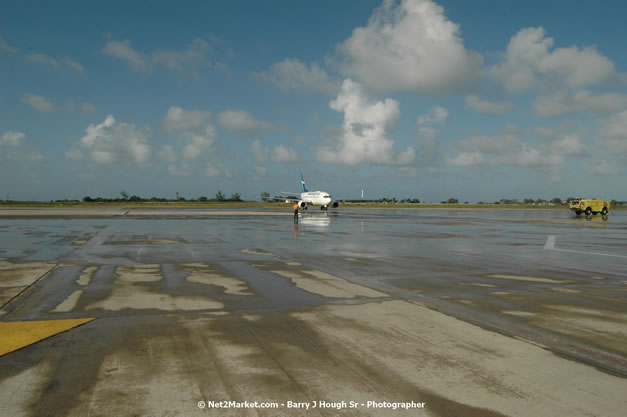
(302, 181)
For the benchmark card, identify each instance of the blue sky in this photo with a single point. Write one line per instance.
(476, 100)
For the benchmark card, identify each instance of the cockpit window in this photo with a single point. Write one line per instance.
(327, 196)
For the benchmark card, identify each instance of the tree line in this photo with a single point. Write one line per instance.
(124, 197)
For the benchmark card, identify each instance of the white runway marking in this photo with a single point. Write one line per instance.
(550, 245)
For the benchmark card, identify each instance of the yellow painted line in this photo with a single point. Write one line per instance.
(15, 335)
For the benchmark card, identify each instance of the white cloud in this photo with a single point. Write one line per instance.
(293, 75)
(200, 143)
(44, 59)
(75, 66)
(507, 149)
(279, 153)
(528, 63)
(112, 141)
(466, 159)
(195, 127)
(39, 103)
(489, 107)
(5, 47)
(241, 121)
(74, 154)
(167, 154)
(44, 105)
(600, 168)
(124, 51)
(437, 115)
(409, 46)
(261, 152)
(363, 131)
(16, 148)
(282, 154)
(12, 138)
(190, 120)
(193, 59)
(428, 137)
(87, 107)
(559, 104)
(67, 63)
(211, 171)
(613, 133)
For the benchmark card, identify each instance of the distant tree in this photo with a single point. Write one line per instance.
(452, 201)
(466, 202)
(134, 198)
(235, 197)
(528, 201)
(556, 200)
(202, 198)
(124, 194)
(265, 196)
(87, 199)
(177, 195)
(219, 196)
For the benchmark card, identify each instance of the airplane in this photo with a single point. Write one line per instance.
(314, 198)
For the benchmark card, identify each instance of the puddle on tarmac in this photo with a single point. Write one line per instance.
(204, 274)
(69, 303)
(258, 252)
(525, 278)
(86, 276)
(321, 283)
(128, 294)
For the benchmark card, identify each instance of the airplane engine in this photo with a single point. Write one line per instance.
(335, 204)
(302, 205)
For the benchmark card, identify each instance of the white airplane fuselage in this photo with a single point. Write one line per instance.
(317, 198)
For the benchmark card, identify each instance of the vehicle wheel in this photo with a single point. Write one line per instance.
(588, 211)
(604, 211)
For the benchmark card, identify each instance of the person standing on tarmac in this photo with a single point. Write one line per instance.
(296, 213)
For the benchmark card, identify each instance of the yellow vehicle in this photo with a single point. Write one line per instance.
(589, 206)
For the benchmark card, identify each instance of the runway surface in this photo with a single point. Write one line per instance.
(353, 312)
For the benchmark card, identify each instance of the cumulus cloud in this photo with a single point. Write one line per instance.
(67, 63)
(13, 146)
(561, 103)
(363, 136)
(600, 168)
(39, 103)
(409, 46)
(44, 105)
(12, 138)
(279, 153)
(429, 137)
(124, 51)
(111, 141)
(194, 127)
(293, 75)
(192, 59)
(530, 63)
(507, 149)
(488, 107)
(168, 154)
(5, 47)
(74, 154)
(190, 120)
(44, 59)
(75, 66)
(242, 122)
(613, 133)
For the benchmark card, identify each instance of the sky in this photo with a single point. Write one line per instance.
(475, 100)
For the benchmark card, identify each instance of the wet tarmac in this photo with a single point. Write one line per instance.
(471, 312)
